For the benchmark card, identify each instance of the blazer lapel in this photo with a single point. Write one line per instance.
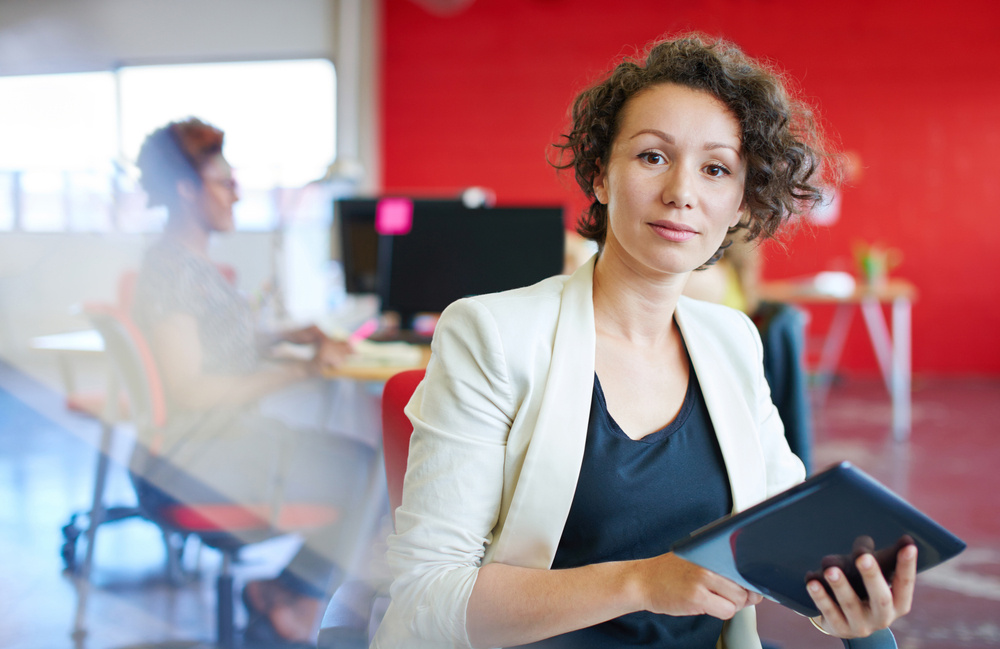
(725, 398)
(547, 483)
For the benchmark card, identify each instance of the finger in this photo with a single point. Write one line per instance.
(904, 580)
(834, 561)
(862, 545)
(881, 607)
(851, 606)
(833, 618)
(734, 596)
(720, 606)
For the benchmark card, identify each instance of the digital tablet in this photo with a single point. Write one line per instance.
(774, 546)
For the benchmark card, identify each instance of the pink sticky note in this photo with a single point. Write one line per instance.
(394, 216)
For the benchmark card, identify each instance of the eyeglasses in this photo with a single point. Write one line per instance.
(225, 183)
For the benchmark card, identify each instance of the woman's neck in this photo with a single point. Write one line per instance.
(188, 232)
(633, 306)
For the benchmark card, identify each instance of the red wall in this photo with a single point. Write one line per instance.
(474, 98)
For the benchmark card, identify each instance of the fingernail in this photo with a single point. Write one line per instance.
(910, 552)
(866, 562)
(833, 575)
(814, 586)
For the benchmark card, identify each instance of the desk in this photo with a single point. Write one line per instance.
(376, 372)
(892, 348)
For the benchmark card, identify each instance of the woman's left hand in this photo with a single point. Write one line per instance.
(846, 615)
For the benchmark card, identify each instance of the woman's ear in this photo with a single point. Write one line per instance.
(600, 184)
(186, 190)
(742, 215)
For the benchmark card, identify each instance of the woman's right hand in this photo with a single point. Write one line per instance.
(329, 355)
(674, 586)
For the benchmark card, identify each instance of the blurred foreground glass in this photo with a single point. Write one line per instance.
(70, 169)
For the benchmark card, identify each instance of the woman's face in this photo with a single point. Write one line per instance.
(673, 180)
(218, 194)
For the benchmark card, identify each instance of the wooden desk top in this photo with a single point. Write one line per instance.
(804, 292)
(376, 372)
(89, 341)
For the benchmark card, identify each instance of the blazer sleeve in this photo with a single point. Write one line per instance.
(461, 415)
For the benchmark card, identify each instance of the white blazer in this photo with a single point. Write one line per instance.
(500, 422)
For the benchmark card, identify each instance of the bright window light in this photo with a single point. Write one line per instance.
(68, 142)
(279, 118)
(56, 130)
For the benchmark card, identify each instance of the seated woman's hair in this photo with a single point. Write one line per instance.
(174, 153)
(782, 145)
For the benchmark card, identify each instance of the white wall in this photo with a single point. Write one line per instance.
(43, 275)
(46, 36)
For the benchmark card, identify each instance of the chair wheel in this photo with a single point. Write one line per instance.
(68, 550)
(68, 553)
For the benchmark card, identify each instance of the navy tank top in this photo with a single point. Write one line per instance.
(634, 499)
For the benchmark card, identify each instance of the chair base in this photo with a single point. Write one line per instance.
(79, 523)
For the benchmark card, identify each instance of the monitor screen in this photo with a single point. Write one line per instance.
(452, 251)
(356, 244)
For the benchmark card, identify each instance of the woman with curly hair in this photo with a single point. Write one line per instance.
(567, 433)
(216, 444)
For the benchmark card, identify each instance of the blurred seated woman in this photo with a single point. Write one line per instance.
(216, 446)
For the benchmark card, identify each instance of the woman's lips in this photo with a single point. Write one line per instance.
(676, 232)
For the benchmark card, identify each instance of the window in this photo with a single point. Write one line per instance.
(68, 144)
(56, 133)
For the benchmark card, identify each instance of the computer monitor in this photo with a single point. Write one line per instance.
(354, 219)
(357, 242)
(452, 251)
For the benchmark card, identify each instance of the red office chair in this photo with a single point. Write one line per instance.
(396, 431)
(95, 404)
(225, 527)
(109, 411)
(354, 610)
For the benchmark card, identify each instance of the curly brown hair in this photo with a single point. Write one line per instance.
(173, 153)
(782, 143)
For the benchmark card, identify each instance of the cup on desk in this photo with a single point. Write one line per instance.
(875, 262)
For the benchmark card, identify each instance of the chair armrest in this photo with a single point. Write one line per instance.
(879, 640)
(348, 618)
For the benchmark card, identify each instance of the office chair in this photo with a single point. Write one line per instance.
(356, 608)
(396, 431)
(223, 526)
(109, 411)
(879, 640)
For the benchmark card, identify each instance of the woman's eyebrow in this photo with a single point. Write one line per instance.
(669, 139)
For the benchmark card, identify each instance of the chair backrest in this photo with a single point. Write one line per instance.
(133, 360)
(126, 289)
(396, 431)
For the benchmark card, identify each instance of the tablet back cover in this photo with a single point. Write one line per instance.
(771, 547)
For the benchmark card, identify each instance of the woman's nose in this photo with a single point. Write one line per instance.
(678, 187)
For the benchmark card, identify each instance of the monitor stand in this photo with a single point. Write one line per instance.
(399, 328)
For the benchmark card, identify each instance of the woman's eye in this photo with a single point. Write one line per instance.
(716, 170)
(652, 157)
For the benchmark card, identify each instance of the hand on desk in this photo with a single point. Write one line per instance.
(311, 335)
(327, 354)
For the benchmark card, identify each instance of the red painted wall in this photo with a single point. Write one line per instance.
(474, 98)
